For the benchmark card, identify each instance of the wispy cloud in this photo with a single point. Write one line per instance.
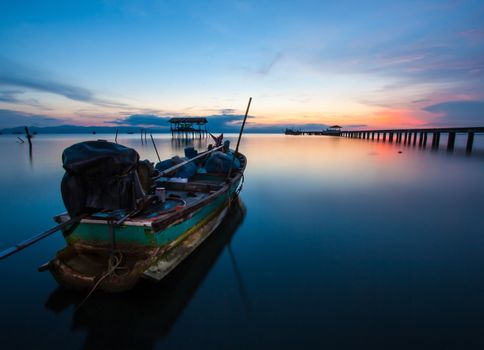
(216, 122)
(458, 112)
(266, 68)
(9, 96)
(422, 100)
(227, 111)
(18, 76)
(12, 96)
(142, 120)
(410, 55)
(356, 126)
(474, 36)
(11, 118)
(219, 111)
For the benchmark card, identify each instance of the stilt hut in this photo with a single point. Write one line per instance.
(188, 127)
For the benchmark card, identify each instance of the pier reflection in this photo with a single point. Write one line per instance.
(141, 317)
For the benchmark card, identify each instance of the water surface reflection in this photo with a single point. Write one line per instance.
(345, 243)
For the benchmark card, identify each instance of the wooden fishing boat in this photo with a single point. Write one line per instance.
(126, 221)
(106, 255)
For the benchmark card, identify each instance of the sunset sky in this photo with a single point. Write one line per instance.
(355, 63)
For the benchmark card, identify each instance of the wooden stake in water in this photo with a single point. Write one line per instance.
(154, 145)
(29, 136)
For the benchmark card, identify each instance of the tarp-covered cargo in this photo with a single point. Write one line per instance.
(186, 171)
(220, 162)
(100, 175)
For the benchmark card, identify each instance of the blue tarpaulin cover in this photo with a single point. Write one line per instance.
(186, 171)
(220, 162)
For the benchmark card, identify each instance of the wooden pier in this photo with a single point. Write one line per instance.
(417, 136)
(188, 127)
(334, 130)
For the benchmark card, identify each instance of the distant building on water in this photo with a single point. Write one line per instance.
(185, 127)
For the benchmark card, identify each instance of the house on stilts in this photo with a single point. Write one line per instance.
(188, 127)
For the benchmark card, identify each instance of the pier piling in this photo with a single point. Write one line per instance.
(451, 141)
(470, 141)
(435, 140)
(418, 136)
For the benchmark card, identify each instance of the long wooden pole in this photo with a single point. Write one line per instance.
(173, 168)
(240, 137)
(28, 242)
(154, 145)
(242, 127)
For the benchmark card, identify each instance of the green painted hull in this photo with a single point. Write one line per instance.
(146, 236)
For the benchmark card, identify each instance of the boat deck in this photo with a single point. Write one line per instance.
(179, 195)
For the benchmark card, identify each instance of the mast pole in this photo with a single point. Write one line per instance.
(240, 137)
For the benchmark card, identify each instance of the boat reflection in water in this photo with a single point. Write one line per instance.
(139, 317)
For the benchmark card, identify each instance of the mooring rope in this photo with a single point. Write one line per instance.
(236, 192)
(114, 261)
(239, 189)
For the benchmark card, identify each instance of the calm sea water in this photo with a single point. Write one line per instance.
(337, 243)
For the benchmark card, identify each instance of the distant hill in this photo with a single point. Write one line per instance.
(74, 129)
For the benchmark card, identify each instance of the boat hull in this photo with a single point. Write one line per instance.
(153, 253)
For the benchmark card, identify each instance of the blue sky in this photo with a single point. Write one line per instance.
(372, 63)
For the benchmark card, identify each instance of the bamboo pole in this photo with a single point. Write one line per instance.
(240, 137)
(173, 168)
(154, 145)
(28, 242)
